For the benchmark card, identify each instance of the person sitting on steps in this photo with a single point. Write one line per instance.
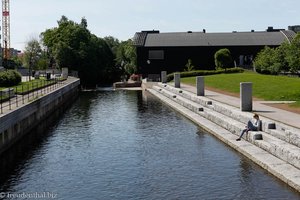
(256, 126)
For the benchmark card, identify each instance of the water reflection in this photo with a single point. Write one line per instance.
(123, 145)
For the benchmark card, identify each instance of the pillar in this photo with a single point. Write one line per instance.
(164, 77)
(200, 85)
(65, 73)
(177, 80)
(246, 96)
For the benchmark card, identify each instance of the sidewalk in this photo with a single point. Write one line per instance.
(283, 116)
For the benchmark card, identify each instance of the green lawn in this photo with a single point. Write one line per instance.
(30, 85)
(265, 87)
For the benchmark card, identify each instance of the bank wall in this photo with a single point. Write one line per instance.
(19, 122)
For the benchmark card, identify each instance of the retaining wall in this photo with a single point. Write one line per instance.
(19, 122)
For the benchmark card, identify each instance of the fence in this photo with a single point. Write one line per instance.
(16, 96)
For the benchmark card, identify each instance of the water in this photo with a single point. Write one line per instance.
(121, 145)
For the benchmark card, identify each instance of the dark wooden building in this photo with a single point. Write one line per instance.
(170, 52)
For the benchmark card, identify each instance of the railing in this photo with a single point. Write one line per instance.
(14, 97)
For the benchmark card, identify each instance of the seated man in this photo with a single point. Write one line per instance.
(256, 126)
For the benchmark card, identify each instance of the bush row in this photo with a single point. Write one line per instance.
(170, 77)
(10, 78)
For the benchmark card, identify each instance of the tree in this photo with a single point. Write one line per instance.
(113, 43)
(17, 60)
(32, 54)
(293, 54)
(223, 59)
(126, 57)
(264, 59)
(284, 58)
(72, 45)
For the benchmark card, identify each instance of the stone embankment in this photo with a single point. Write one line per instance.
(278, 151)
(16, 122)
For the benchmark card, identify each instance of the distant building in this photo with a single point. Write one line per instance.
(14, 52)
(170, 52)
(296, 28)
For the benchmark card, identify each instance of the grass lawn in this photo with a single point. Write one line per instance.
(267, 87)
(30, 85)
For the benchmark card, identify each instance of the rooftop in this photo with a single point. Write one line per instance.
(270, 37)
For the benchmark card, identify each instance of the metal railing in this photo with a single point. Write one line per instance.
(13, 97)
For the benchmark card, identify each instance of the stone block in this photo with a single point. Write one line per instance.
(65, 73)
(200, 86)
(164, 77)
(246, 96)
(177, 80)
(257, 136)
(271, 125)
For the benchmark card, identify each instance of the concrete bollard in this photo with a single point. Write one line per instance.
(246, 96)
(177, 80)
(164, 77)
(200, 85)
(65, 73)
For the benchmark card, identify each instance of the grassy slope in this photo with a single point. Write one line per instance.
(266, 87)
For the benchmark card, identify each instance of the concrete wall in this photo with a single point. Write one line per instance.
(19, 122)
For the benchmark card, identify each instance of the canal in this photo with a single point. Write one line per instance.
(126, 145)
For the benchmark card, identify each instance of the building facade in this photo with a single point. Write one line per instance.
(170, 52)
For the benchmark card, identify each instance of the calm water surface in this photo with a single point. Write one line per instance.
(123, 145)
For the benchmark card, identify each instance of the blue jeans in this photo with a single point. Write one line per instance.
(250, 127)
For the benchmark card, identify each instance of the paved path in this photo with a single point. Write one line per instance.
(276, 114)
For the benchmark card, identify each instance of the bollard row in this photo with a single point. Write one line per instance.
(246, 103)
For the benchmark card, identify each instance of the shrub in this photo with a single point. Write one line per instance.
(10, 78)
(170, 77)
(189, 66)
(223, 59)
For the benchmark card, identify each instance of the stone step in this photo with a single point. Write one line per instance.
(283, 150)
(180, 100)
(277, 147)
(279, 168)
(283, 132)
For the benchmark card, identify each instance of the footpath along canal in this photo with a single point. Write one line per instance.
(129, 145)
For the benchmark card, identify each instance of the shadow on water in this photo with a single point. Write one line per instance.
(13, 159)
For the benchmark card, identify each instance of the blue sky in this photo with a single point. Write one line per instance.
(122, 18)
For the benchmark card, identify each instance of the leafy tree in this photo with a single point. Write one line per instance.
(113, 43)
(17, 60)
(223, 58)
(126, 57)
(72, 45)
(293, 54)
(32, 54)
(284, 58)
(281, 57)
(264, 60)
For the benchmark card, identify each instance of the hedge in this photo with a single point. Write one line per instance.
(170, 77)
(10, 78)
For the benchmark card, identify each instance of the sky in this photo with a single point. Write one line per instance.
(123, 18)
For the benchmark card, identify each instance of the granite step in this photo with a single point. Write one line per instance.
(281, 131)
(277, 147)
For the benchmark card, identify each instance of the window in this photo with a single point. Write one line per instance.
(156, 54)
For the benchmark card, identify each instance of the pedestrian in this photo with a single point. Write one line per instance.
(256, 126)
